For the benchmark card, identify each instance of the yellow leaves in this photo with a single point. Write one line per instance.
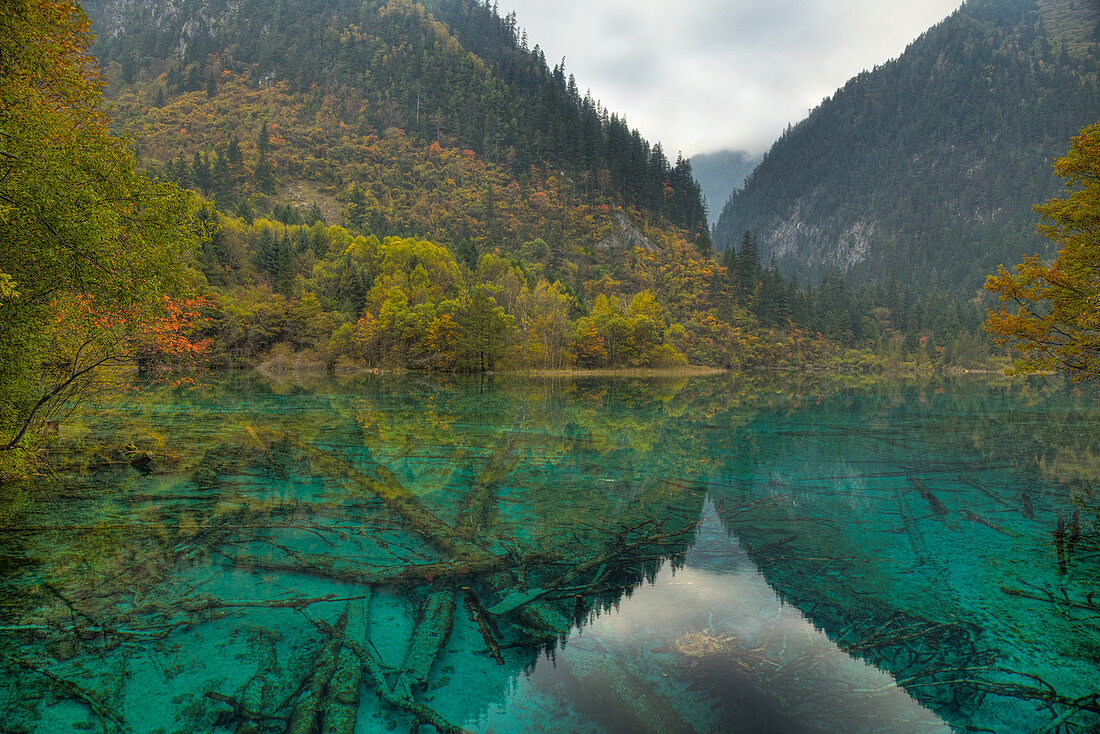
(7, 287)
(1058, 305)
(645, 305)
(365, 336)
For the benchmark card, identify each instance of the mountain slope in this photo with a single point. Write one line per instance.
(490, 215)
(927, 167)
(451, 71)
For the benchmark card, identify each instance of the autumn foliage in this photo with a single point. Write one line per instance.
(90, 247)
(1051, 311)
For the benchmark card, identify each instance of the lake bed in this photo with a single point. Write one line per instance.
(601, 554)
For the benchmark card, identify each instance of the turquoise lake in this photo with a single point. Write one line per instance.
(504, 554)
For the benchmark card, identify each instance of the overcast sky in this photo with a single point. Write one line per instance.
(706, 75)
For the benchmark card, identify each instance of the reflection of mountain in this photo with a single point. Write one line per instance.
(293, 552)
(716, 629)
(923, 546)
(406, 550)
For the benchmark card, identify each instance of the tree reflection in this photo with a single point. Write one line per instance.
(296, 556)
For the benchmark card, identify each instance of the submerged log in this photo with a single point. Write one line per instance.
(343, 569)
(341, 705)
(308, 710)
(373, 667)
(205, 602)
(1064, 600)
(74, 691)
(933, 501)
(479, 615)
(1027, 508)
(974, 517)
(248, 718)
(432, 631)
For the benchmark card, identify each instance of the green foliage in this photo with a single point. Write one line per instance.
(407, 302)
(451, 71)
(490, 216)
(90, 248)
(485, 330)
(928, 166)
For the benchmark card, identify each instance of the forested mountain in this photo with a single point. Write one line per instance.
(927, 168)
(202, 76)
(719, 174)
(411, 185)
(403, 185)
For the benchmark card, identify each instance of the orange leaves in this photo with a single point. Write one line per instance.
(171, 335)
(165, 337)
(540, 200)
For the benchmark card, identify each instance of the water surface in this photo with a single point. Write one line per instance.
(612, 555)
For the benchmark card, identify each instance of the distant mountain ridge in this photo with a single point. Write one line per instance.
(719, 174)
(927, 167)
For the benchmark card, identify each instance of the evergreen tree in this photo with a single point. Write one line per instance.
(265, 172)
(746, 267)
(233, 152)
(274, 257)
(485, 329)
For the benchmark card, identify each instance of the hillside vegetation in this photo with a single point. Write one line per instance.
(193, 77)
(326, 137)
(927, 168)
(396, 184)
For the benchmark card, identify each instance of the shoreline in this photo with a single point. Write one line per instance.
(275, 368)
(571, 372)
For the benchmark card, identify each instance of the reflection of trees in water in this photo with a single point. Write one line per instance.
(408, 531)
(453, 553)
(911, 526)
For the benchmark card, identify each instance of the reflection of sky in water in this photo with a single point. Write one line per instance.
(898, 525)
(706, 650)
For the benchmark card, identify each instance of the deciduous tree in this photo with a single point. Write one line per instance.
(1050, 312)
(89, 247)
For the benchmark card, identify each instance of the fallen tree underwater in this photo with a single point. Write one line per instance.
(523, 587)
(522, 596)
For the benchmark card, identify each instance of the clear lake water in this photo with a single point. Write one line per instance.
(504, 554)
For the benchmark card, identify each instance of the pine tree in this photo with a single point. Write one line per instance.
(747, 267)
(274, 257)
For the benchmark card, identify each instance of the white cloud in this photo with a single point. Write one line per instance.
(702, 75)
